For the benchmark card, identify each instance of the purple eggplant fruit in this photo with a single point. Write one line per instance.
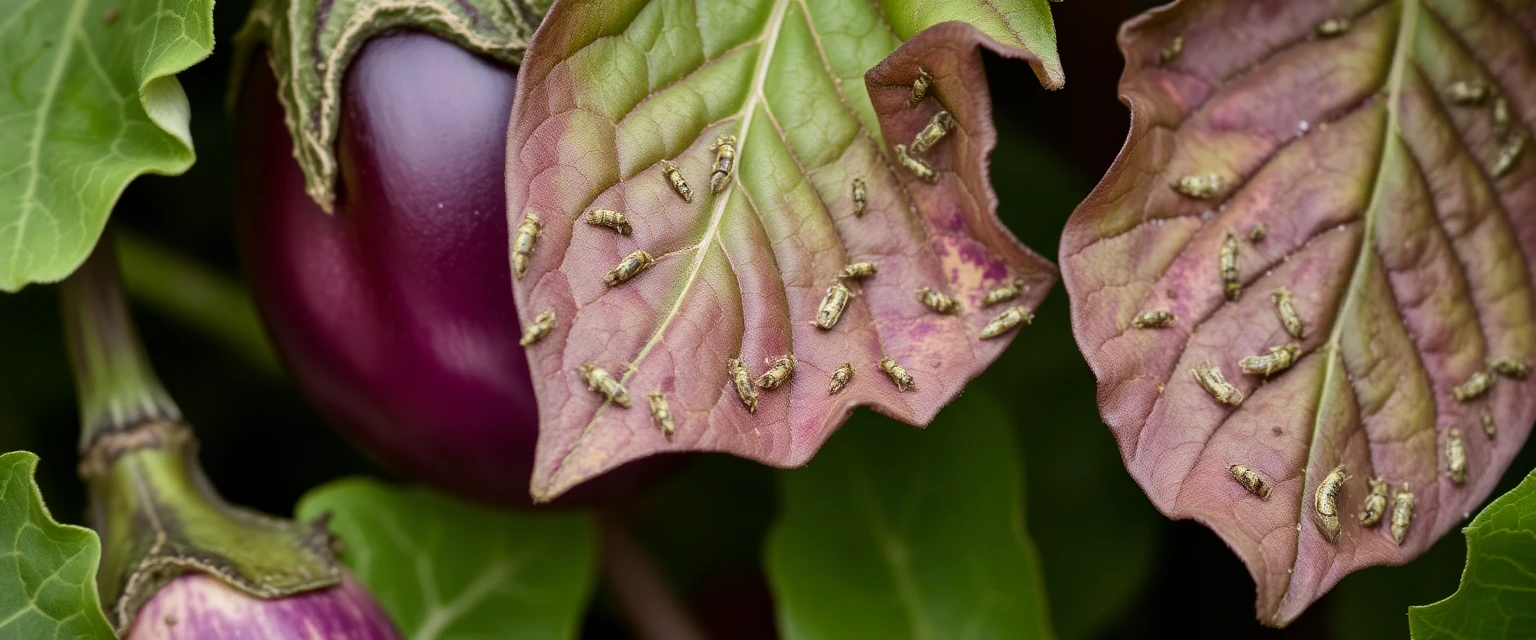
(395, 312)
(196, 606)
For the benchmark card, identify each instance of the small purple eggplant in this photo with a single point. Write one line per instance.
(394, 313)
(195, 606)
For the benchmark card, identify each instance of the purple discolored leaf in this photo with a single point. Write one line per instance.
(1365, 138)
(613, 95)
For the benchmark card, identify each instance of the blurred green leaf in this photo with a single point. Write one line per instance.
(48, 577)
(447, 569)
(1497, 598)
(893, 532)
(92, 102)
(1098, 561)
(195, 295)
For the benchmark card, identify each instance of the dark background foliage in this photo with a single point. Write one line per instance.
(1113, 566)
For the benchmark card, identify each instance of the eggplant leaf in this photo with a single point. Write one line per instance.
(610, 91)
(1497, 597)
(1365, 137)
(898, 533)
(91, 102)
(447, 569)
(48, 577)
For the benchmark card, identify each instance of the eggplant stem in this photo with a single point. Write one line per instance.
(648, 602)
(116, 385)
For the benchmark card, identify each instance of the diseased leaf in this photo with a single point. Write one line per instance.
(1497, 597)
(1390, 222)
(610, 91)
(447, 569)
(91, 102)
(48, 576)
(899, 533)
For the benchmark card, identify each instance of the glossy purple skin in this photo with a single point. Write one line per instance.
(197, 606)
(395, 313)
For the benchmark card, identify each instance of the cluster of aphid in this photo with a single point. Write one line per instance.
(832, 305)
(1472, 94)
(1280, 358)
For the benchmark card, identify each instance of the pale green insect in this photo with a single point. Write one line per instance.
(1006, 321)
(631, 266)
(522, 246)
(541, 326)
(777, 373)
(604, 383)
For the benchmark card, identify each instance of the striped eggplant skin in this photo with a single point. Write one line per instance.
(197, 606)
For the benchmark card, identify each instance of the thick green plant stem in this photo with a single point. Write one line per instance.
(113, 379)
(156, 512)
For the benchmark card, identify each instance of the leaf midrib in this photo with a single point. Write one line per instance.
(770, 40)
(1407, 25)
(44, 110)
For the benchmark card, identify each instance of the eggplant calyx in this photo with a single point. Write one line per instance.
(159, 517)
(156, 512)
(310, 44)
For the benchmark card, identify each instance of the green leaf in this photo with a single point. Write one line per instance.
(900, 533)
(447, 569)
(1497, 598)
(811, 99)
(48, 577)
(91, 102)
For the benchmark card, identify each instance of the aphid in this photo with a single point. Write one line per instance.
(1199, 186)
(1375, 502)
(920, 87)
(898, 374)
(1455, 456)
(1508, 154)
(1156, 318)
(937, 301)
(1325, 503)
(522, 247)
(858, 270)
(840, 378)
(1216, 384)
(932, 133)
(1510, 367)
(111, 15)
(832, 305)
(609, 218)
(662, 414)
(917, 167)
(1287, 312)
(1402, 513)
(1230, 285)
(629, 267)
(1006, 321)
(1467, 94)
(1476, 384)
(602, 382)
(1278, 359)
(541, 326)
(1171, 50)
(1488, 427)
(860, 197)
(725, 161)
(1334, 27)
(1500, 117)
(743, 382)
(670, 172)
(1004, 293)
(1258, 232)
(1251, 480)
(777, 373)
